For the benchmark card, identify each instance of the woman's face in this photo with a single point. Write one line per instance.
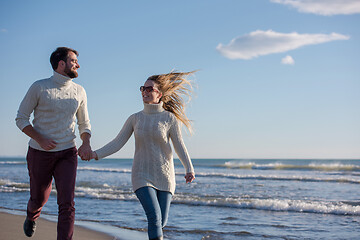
(150, 92)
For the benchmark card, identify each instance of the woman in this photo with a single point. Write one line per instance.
(153, 174)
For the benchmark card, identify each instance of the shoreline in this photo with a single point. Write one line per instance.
(11, 222)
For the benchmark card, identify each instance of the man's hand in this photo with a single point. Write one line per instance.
(84, 150)
(45, 143)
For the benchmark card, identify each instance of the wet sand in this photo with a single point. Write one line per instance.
(11, 228)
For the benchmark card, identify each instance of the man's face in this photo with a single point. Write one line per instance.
(72, 65)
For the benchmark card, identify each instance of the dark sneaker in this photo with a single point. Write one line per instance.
(29, 227)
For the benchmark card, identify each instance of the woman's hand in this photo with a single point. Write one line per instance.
(94, 155)
(190, 177)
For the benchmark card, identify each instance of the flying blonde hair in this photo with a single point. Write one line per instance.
(174, 87)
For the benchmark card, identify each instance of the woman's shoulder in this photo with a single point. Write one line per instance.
(137, 115)
(131, 119)
(134, 115)
(170, 116)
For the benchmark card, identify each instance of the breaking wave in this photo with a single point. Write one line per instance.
(125, 193)
(284, 166)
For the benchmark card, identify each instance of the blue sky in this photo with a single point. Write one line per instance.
(276, 79)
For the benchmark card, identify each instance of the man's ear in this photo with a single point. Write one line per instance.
(61, 65)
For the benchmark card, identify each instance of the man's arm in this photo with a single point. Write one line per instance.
(45, 143)
(82, 115)
(27, 106)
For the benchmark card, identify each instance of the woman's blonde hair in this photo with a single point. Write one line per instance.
(174, 87)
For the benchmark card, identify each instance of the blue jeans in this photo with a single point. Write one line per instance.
(156, 205)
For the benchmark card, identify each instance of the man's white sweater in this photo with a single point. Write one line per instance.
(153, 159)
(56, 102)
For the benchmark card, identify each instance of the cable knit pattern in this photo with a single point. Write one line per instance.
(57, 102)
(153, 163)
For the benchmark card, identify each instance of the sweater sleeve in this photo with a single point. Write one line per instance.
(82, 115)
(27, 106)
(119, 141)
(179, 146)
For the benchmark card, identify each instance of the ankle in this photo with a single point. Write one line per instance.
(158, 238)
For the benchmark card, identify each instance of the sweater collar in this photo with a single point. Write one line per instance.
(61, 79)
(153, 108)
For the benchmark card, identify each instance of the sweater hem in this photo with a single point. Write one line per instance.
(157, 188)
(60, 147)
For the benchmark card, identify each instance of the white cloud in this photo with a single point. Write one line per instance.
(261, 43)
(288, 60)
(323, 7)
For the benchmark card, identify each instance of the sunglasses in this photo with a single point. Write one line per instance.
(148, 89)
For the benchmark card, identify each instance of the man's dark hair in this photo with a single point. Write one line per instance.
(61, 53)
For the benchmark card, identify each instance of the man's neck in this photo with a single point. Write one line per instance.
(61, 79)
(62, 73)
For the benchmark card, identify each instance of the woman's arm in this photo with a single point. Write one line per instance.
(118, 142)
(181, 151)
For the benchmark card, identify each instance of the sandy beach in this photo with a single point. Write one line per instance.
(11, 228)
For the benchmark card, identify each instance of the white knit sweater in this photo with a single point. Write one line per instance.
(153, 159)
(57, 102)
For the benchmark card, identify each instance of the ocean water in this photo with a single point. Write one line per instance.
(229, 199)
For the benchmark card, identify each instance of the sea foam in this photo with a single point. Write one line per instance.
(338, 208)
(283, 166)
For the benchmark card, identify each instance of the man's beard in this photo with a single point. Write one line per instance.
(71, 73)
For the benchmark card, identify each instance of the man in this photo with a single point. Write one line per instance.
(56, 102)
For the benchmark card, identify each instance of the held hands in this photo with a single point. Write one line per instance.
(190, 177)
(85, 152)
(93, 155)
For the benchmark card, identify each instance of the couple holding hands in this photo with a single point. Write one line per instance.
(57, 102)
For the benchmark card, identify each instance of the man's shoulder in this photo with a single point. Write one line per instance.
(80, 87)
(39, 84)
(42, 81)
(76, 84)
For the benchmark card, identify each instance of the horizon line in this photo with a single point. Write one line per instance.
(226, 158)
